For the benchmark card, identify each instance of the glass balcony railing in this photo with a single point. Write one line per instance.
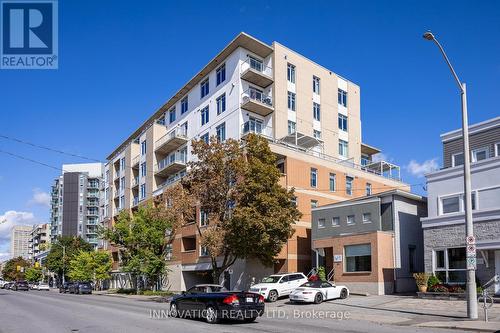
(257, 66)
(173, 158)
(178, 132)
(252, 94)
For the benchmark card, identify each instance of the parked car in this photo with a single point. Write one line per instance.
(42, 286)
(277, 285)
(20, 285)
(318, 291)
(2, 283)
(64, 287)
(80, 288)
(213, 303)
(7, 285)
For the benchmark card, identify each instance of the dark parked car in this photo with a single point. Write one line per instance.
(64, 288)
(80, 288)
(213, 303)
(20, 285)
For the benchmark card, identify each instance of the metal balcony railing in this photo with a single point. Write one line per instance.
(257, 66)
(173, 158)
(256, 95)
(178, 132)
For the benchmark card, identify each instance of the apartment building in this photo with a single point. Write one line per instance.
(309, 114)
(76, 202)
(19, 241)
(444, 228)
(39, 242)
(372, 244)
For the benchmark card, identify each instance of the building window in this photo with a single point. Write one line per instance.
(368, 189)
(290, 73)
(291, 127)
(343, 148)
(497, 149)
(171, 115)
(221, 103)
(342, 97)
(205, 138)
(314, 177)
(316, 85)
(343, 122)
(256, 64)
(204, 88)
(122, 163)
(203, 218)
(143, 169)
(221, 132)
(365, 160)
(184, 105)
(317, 134)
(142, 193)
(348, 185)
(205, 115)
(333, 182)
(450, 205)
(184, 128)
(220, 73)
(321, 223)
(350, 219)
(122, 183)
(204, 251)
(335, 221)
(122, 202)
(367, 217)
(457, 159)
(450, 265)
(480, 154)
(314, 203)
(358, 258)
(316, 112)
(291, 101)
(143, 148)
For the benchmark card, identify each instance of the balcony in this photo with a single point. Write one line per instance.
(93, 212)
(93, 194)
(257, 102)
(171, 164)
(135, 182)
(256, 127)
(92, 203)
(170, 181)
(172, 140)
(93, 185)
(135, 162)
(257, 73)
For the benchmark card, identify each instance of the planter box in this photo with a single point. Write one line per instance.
(442, 296)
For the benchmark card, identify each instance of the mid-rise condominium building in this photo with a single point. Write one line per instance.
(19, 241)
(444, 228)
(76, 202)
(311, 118)
(39, 241)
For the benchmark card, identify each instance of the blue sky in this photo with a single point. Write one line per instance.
(120, 60)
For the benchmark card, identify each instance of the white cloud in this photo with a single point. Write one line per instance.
(7, 221)
(40, 198)
(420, 169)
(380, 157)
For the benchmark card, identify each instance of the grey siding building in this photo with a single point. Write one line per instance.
(76, 202)
(444, 228)
(372, 244)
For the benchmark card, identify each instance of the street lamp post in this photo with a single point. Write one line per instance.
(470, 240)
(64, 263)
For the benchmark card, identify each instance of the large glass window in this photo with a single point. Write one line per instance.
(342, 97)
(358, 258)
(451, 204)
(316, 112)
(480, 154)
(450, 265)
(343, 148)
(315, 85)
(290, 73)
(457, 159)
(291, 101)
(342, 122)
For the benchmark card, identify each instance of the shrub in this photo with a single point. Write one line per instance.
(130, 291)
(439, 288)
(433, 280)
(156, 293)
(421, 278)
(456, 289)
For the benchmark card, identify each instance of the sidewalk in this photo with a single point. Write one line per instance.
(158, 299)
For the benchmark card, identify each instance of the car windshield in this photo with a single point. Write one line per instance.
(215, 289)
(316, 284)
(271, 279)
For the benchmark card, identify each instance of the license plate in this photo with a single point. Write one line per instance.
(249, 300)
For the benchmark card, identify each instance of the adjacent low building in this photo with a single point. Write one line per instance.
(372, 244)
(444, 228)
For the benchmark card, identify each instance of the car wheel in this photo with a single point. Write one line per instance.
(343, 293)
(273, 296)
(211, 315)
(250, 320)
(318, 298)
(173, 310)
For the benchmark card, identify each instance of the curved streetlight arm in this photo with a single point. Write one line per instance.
(449, 65)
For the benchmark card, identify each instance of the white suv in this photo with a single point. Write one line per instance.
(277, 285)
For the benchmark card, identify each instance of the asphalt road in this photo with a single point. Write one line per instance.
(38, 311)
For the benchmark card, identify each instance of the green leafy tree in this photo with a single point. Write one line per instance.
(142, 238)
(15, 269)
(62, 251)
(250, 214)
(90, 266)
(33, 274)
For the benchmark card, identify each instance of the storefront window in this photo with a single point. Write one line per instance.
(358, 258)
(450, 265)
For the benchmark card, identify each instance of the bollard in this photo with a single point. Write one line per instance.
(486, 305)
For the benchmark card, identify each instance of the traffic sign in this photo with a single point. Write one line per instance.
(470, 240)
(471, 263)
(471, 249)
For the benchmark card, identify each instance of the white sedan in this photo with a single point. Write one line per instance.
(42, 286)
(318, 291)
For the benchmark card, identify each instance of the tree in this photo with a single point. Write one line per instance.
(250, 214)
(58, 260)
(142, 238)
(15, 268)
(90, 266)
(33, 274)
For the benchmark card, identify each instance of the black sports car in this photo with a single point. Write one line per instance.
(213, 303)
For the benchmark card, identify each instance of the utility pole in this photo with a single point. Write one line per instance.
(64, 263)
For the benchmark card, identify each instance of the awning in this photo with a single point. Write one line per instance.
(302, 140)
